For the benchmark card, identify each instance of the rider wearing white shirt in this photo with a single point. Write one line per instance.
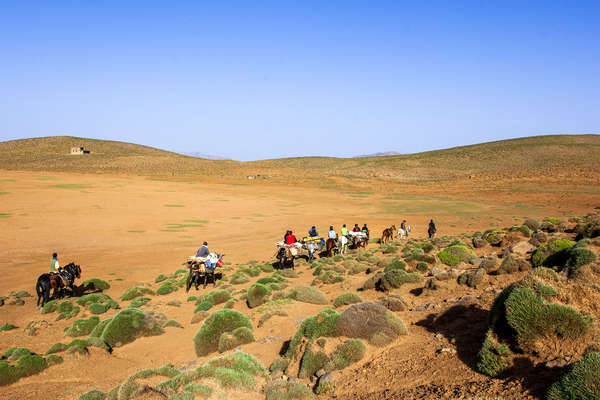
(332, 234)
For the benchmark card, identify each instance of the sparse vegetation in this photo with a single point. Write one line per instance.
(219, 323)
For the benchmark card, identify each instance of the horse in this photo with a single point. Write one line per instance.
(403, 233)
(357, 242)
(312, 247)
(46, 282)
(285, 255)
(199, 270)
(388, 234)
(331, 247)
(342, 244)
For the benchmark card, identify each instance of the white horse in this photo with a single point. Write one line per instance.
(342, 244)
(312, 247)
(404, 233)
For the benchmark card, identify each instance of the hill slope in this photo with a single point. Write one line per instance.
(539, 156)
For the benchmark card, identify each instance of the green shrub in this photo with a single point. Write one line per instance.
(253, 272)
(237, 337)
(578, 257)
(135, 291)
(96, 308)
(265, 280)
(128, 325)
(96, 284)
(14, 353)
(311, 362)
(203, 306)
(395, 264)
(160, 278)
(345, 299)
(455, 254)
(138, 302)
(56, 348)
(218, 296)
(307, 294)
(218, 323)
(82, 327)
(99, 298)
(531, 318)
(166, 288)
(347, 353)
(389, 248)
(266, 267)
(49, 307)
(7, 327)
(53, 359)
(422, 267)
(322, 324)
(22, 293)
(525, 230)
(280, 390)
(257, 295)
(554, 253)
(239, 278)
(97, 331)
(581, 382)
(92, 395)
(494, 358)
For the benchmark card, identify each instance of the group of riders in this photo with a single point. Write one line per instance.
(205, 262)
(290, 239)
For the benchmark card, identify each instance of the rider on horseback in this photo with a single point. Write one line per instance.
(332, 234)
(344, 231)
(55, 268)
(203, 250)
(365, 230)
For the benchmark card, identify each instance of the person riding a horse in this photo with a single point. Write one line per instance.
(55, 268)
(203, 251)
(365, 230)
(290, 238)
(332, 234)
(313, 233)
(344, 230)
(356, 228)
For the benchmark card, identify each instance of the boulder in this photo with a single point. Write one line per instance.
(370, 321)
(522, 248)
(393, 303)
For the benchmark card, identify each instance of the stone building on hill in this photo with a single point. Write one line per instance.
(79, 150)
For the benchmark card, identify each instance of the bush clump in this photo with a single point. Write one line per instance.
(554, 253)
(130, 324)
(139, 301)
(27, 364)
(280, 390)
(578, 257)
(216, 325)
(82, 327)
(96, 284)
(345, 299)
(531, 318)
(394, 265)
(347, 353)
(136, 291)
(370, 321)
(49, 307)
(257, 295)
(166, 288)
(306, 294)
(455, 254)
(217, 296)
(581, 382)
(494, 358)
(239, 278)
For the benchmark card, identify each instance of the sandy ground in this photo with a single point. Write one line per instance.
(127, 230)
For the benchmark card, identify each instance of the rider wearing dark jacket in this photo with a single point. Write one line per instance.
(313, 232)
(356, 228)
(432, 229)
(203, 250)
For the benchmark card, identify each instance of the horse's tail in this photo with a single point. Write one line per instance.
(41, 288)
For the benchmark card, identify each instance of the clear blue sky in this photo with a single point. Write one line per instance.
(266, 79)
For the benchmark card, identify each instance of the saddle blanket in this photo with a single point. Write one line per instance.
(360, 235)
(312, 239)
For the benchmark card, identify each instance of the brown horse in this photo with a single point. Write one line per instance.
(331, 247)
(358, 243)
(388, 234)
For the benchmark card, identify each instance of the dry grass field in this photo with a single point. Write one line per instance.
(128, 213)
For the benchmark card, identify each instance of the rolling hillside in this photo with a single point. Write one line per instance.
(557, 155)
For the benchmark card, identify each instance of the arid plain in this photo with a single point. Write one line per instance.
(127, 226)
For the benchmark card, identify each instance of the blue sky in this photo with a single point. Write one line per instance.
(252, 80)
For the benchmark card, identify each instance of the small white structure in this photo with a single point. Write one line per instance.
(78, 151)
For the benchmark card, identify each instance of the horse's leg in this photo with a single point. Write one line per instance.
(188, 282)
(205, 280)
(214, 279)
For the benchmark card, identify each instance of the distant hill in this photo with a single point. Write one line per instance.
(532, 157)
(381, 154)
(206, 156)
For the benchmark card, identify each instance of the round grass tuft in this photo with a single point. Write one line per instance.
(218, 323)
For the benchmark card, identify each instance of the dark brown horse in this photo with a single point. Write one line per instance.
(388, 234)
(357, 242)
(331, 247)
(47, 282)
(285, 256)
